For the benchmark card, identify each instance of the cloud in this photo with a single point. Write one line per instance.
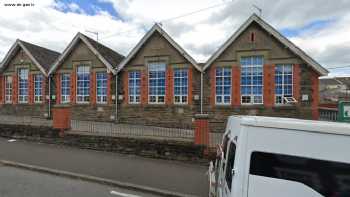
(312, 25)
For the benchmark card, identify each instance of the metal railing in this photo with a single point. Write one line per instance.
(328, 114)
(25, 120)
(130, 131)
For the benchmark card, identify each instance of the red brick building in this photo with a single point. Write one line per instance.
(24, 80)
(258, 71)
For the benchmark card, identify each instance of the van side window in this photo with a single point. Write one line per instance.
(326, 177)
(224, 149)
(230, 164)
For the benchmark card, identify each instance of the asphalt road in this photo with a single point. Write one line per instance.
(18, 182)
(162, 174)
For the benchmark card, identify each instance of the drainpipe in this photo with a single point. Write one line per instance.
(116, 98)
(49, 108)
(201, 92)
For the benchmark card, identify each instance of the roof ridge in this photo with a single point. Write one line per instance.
(99, 43)
(35, 45)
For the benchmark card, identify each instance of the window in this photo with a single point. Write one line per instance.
(101, 79)
(223, 85)
(8, 89)
(252, 80)
(38, 88)
(328, 178)
(230, 164)
(65, 88)
(180, 86)
(283, 82)
(83, 84)
(23, 85)
(156, 75)
(252, 36)
(134, 86)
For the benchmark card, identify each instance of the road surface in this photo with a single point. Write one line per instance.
(161, 174)
(16, 182)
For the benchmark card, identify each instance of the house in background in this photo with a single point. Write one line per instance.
(83, 80)
(258, 71)
(24, 80)
(334, 89)
(160, 83)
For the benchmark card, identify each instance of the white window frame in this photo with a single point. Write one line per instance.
(222, 86)
(283, 96)
(38, 98)
(8, 88)
(251, 67)
(65, 78)
(134, 92)
(23, 98)
(157, 67)
(83, 98)
(183, 98)
(101, 98)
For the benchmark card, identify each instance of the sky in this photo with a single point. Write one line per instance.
(319, 27)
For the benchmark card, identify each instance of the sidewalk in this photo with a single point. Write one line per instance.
(161, 174)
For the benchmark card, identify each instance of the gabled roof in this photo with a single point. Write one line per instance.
(254, 18)
(159, 29)
(42, 57)
(106, 55)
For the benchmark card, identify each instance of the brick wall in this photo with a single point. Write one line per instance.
(165, 115)
(302, 85)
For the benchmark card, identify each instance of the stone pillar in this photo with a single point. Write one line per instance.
(201, 129)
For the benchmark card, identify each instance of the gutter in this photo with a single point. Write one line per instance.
(201, 92)
(49, 107)
(116, 98)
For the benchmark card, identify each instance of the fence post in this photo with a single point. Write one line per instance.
(202, 131)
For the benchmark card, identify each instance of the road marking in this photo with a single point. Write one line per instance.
(123, 194)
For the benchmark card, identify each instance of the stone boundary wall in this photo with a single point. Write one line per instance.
(170, 150)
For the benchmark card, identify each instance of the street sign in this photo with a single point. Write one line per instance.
(344, 111)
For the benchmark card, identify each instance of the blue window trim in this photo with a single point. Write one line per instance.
(134, 84)
(23, 74)
(8, 88)
(252, 76)
(156, 81)
(180, 85)
(38, 85)
(101, 87)
(223, 85)
(65, 88)
(83, 84)
(283, 82)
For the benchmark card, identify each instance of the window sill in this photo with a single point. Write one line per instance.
(252, 106)
(284, 106)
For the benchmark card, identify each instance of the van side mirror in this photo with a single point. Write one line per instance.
(233, 172)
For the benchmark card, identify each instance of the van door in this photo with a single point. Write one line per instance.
(229, 171)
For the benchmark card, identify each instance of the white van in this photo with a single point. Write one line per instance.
(282, 157)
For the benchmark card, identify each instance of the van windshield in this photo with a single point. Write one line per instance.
(230, 164)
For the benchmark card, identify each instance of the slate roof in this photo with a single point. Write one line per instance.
(255, 18)
(44, 56)
(157, 28)
(110, 55)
